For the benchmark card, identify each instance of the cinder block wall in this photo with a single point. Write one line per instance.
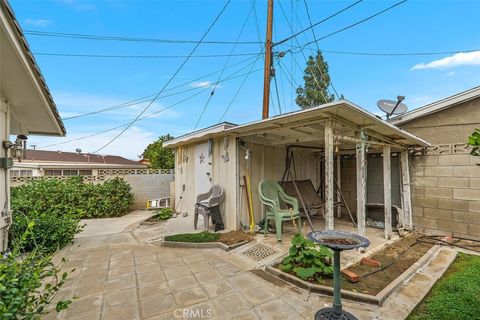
(374, 181)
(446, 191)
(148, 186)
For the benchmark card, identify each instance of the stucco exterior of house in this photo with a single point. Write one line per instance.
(26, 105)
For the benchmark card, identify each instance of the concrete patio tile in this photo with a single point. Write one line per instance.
(199, 267)
(193, 258)
(183, 283)
(259, 295)
(120, 283)
(274, 310)
(231, 304)
(144, 251)
(154, 290)
(92, 315)
(229, 270)
(145, 260)
(120, 272)
(121, 263)
(171, 263)
(191, 296)
(92, 275)
(208, 276)
(302, 307)
(127, 311)
(246, 281)
(84, 305)
(71, 264)
(150, 277)
(119, 297)
(248, 315)
(148, 267)
(178, 272)
(217, 288)
(87, 289)
(158, 305)
(166, 254)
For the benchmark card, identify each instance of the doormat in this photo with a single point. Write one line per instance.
(259, 252)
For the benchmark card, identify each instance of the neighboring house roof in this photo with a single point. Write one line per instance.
(33, 92)
(437, 106)
(201, 134)
(342, 109)
(76, 158)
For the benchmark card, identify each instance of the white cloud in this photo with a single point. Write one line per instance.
(79, 5)
(38, 22)
(202, 84)
(451, 73)
(456, 60)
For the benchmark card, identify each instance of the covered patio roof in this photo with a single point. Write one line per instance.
(306, 127)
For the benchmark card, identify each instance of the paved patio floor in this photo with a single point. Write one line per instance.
(117, 276)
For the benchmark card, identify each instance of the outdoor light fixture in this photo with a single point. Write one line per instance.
(14, 150)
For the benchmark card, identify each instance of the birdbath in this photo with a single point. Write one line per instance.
(337, 241)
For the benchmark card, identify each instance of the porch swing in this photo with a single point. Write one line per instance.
(311, 199)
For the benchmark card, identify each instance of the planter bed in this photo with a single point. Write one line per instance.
(375, 288)
(225, 241)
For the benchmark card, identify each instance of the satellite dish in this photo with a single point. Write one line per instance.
(78, 150)
(391, 107)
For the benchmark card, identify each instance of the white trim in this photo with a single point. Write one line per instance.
(29, 65)
(198, 135)
(437, 106)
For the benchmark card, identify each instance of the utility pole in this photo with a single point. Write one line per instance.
(268, 61)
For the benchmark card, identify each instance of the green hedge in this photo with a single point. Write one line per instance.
(56, 207)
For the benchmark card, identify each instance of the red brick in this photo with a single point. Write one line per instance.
(351, 276)
(370, 262)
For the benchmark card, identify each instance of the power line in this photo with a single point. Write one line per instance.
(319, 22)
(171, 78)
(150, 114)
(306, 60)
(148, 97)
(223, 70)
(318, 48)
(80, 55)
(123, 38)
(354, 24)
(397, 54)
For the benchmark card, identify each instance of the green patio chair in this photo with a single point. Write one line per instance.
(271, 195)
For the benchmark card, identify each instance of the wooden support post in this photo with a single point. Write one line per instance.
(339, 186)
(361, 188)
(406, 198)
(387, 191)
(329, 217)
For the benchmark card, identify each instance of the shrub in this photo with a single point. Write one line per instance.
(204, 236)
(163, 214)
(56, 207)
(307, 259)
(28, 282)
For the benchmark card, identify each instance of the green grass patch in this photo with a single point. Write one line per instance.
(456, 295)
(194, 237)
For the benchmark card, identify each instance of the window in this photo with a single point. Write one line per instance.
(21, 173)
(53, 172)
(85, 172)
(70, 172)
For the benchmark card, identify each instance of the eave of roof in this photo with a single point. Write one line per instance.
(437, 106)
(18, 33)
(341, 109)
(202, 134)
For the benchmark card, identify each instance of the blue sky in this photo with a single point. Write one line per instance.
(81, 84)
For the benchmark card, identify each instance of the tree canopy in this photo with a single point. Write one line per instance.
(315, 90)
(159, 156)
